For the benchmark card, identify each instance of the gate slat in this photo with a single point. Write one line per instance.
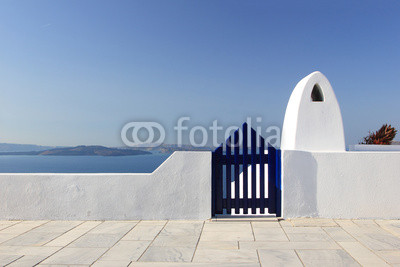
(253, 171)
(271, 179)
(237, 182)
(245, 174)
(228, 176)
(262, 175)
(218, 181)
(213, 184)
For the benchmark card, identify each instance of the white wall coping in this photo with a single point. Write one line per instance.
(374, 147)
(372, 152)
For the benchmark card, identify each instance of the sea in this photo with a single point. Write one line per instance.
(81, 164)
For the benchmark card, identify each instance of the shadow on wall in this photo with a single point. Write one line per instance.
(301, 196)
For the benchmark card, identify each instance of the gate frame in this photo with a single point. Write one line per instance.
(219, 159)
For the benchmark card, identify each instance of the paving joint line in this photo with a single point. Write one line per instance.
(252, 231)
(337, 243)
(298, 256)
(198, 241)
(283, 229)
(14, 260)
(107, 250)
(358, 241)
(10, 225)
(387, 231)
(22, 232)
(62, 234)
(279, 221)
(258, 257)
(152, 241)
(295, 251)
(69, 242)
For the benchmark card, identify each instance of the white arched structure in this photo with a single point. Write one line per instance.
(313, 121)
(320, 178)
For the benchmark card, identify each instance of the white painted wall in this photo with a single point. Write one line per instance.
(341, 184)
(313, 126)
(179, 189)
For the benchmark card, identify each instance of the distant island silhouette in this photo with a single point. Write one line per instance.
(82, 151)
(94, 150)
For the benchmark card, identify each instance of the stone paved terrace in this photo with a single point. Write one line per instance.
(309, 242)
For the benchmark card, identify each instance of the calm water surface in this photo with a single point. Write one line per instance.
(81, 164)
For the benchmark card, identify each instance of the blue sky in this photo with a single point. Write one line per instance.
(74, 72)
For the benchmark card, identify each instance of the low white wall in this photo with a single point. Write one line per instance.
(341, 184)
(179, 189)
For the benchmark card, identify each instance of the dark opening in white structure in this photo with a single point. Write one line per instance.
(316, 94)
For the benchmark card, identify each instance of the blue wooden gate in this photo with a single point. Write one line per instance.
(226, 169)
